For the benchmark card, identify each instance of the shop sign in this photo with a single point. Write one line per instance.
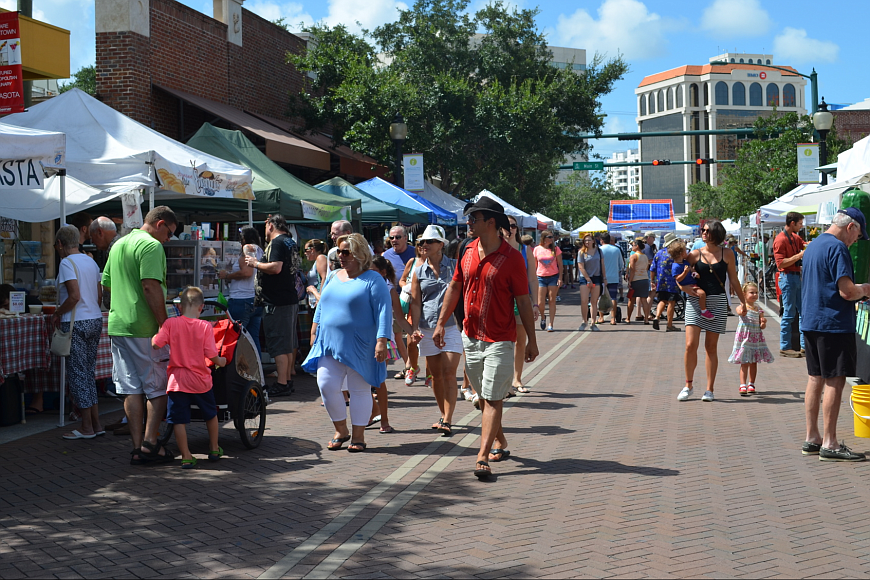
(324, 213)
(21, 173)
(807, 161)
(16, 302)
(11, 81)
(8, 228)
(414, 176)
(200, 180)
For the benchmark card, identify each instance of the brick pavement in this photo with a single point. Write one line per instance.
(609, 476)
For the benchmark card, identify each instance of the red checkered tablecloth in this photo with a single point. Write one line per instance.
(47, 380)
(24, 344)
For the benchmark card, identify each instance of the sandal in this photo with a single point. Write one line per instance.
(216, 455)
(401, 374)
(445, 429)
(375, 419)
(482, 470)
(32, 411)
(189, 463)
(332, 444)
(523, 389)
(356, 447)
(386, 430)
(743, 392)
(438, 424)
(750, 388)
(138, 458)
(500, 454)
(152, 452)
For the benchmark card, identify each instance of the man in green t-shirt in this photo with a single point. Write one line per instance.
(135, 274)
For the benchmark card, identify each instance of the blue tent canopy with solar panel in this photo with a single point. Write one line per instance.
(641, 214)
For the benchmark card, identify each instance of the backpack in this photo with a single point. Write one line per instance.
(300, 284)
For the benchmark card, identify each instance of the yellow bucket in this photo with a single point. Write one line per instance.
(859, 401)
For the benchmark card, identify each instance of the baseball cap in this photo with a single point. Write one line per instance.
(858, 216)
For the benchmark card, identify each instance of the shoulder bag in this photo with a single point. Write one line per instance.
(604, 301)
(62, 341)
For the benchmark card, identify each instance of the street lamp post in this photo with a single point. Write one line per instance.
(398, 134)
(822, 121)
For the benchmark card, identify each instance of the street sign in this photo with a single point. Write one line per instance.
(588, 166)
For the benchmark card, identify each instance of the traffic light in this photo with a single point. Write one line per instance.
(704, 161)
(658, 162)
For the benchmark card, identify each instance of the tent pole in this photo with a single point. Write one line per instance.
(251, 213)
(62, 175)
(150, 198)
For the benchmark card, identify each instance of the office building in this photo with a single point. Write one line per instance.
(625, 180)
(696, 97)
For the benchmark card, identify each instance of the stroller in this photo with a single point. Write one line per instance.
(238, 387)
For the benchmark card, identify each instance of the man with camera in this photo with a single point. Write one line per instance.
(788, 251)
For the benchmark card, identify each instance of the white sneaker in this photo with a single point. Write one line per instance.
(468, 394)
(582, 327)
(708, 397)
(684, 394)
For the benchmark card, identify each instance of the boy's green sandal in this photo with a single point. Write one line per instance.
(216, 455)
(188, 463)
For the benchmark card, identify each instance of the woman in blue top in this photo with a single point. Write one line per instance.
(352, 324)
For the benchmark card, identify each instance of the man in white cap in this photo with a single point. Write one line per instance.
(662, 279)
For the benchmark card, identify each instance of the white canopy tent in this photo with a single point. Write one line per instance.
(115, 154)
(854, 162)
(592, 226)
(26, 156)
(525, 220)
(443, 200)
(45, 205)
(550, 223)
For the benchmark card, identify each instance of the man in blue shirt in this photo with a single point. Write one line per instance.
(828, 325)
(400, 252)
(662, 279)
(614, 265)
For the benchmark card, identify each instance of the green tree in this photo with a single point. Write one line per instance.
(582, 197)
(765, 167)
(707, 199)
(487, 110)
(85, 79)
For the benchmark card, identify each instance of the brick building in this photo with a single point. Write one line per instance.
(172, 68)
(853, 122)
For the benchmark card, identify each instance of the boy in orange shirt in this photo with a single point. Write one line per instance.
(191, 342)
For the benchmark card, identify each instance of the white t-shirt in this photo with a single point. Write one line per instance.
(89, 278)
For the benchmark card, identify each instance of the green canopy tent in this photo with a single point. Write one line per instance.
(276, 190)
(373, 211)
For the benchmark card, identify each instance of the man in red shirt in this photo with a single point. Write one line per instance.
(788, 251)
(492, 275)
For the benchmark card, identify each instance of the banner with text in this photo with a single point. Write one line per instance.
(414, 176)
(196, 179)
(807, 161)
(11, 82)
(325, 213)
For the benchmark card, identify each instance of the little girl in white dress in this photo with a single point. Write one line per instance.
(749, 345)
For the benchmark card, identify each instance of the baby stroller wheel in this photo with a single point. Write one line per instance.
(251, 417)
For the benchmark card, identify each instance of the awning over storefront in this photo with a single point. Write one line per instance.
(280, 145)
(349, 161)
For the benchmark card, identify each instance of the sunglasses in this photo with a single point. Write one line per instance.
(473, 220)
(397, 237)
(548, 237)
(514, 226)
(344, 253)
(705, 230)
(429, 242)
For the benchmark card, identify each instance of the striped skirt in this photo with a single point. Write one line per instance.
(717, 304)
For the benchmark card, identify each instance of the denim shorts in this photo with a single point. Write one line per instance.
(178, 406)
(546, 281)
(596, 280)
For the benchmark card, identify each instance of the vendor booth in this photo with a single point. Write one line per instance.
(444, 200)
(396, 196)
(526, 221)
(373, 211)
(593, 226)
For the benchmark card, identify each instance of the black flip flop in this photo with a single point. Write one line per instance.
(352, 450)
(341, 441)
(32, 411)
(446, 429)
(482, 473)
(501, 453)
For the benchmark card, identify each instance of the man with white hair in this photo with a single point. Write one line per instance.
(828, 327)
(400, 252)
(102, 232)
(339, 228)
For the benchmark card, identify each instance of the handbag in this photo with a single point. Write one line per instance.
(605, 303)
(61, 341)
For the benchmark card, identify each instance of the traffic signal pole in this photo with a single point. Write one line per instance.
(650, 163)
(637, 136)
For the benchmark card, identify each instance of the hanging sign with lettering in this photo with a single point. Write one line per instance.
(11, 81)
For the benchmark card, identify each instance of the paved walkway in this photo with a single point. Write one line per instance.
(609, 476)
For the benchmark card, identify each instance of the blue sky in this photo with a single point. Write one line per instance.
(652, 35)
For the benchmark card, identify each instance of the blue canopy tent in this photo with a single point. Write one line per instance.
(641, 214)
(373, 211)
(396, 196)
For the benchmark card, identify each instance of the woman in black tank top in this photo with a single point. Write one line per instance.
(713, 264)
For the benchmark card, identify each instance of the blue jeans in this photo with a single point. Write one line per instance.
(790, 284)
(245, 313)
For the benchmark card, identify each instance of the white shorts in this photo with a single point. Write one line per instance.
(138, 369)
(452, 341)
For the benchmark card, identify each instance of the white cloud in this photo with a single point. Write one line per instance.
(793, 46)
(292, 12)
(623, 26)
(369, 14)
(729, 18)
